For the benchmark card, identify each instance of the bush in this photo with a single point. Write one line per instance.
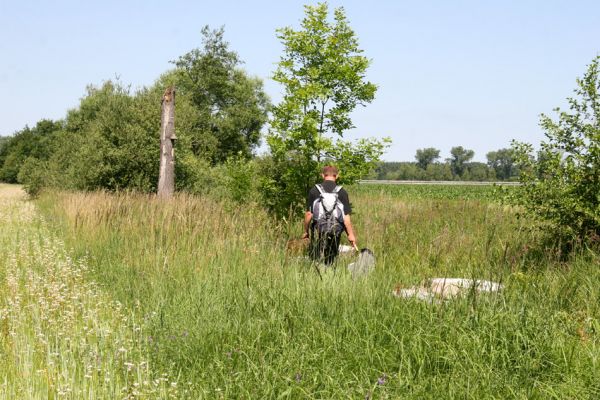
(561, 188)
(32, 176)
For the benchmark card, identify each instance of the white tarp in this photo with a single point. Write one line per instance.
(436, 289)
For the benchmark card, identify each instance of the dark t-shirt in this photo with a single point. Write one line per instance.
(329, 186)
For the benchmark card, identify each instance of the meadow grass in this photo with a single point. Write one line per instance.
(230, 315)
(60, 335)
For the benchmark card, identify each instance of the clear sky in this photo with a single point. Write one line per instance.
(470, 73)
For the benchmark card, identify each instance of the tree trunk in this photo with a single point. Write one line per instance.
(166, 179)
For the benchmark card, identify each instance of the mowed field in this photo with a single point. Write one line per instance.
(125, 296)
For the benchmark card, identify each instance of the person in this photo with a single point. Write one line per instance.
(325, 247)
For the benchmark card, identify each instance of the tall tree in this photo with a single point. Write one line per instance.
(459, 156)
(232, 107)
(426, 156)
(322, 71)
(503, 163)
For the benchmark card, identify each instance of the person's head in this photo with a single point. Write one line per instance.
(329, 173)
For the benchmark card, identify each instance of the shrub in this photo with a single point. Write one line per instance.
(32, 176)
(561, 187)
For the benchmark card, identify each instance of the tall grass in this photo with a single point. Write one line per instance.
(232, 316)
(60, 335)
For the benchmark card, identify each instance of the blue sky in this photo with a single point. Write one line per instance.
(470, 73)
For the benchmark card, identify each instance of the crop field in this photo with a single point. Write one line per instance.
(125, 296)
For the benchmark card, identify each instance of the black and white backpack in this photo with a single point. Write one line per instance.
(328, 212)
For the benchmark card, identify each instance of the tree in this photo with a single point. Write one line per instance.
(322, 71)
(459, 156)
(36, 142)
(110, 141)
(232, 107)
(561, 189)
(426, 156)
(503, 163)
(476, 171)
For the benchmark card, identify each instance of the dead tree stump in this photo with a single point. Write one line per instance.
(166, 177)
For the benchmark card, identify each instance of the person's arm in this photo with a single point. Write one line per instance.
(307, 219)
(349, 230)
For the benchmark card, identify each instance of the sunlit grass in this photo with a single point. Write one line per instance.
(233, 316)
(60, 335)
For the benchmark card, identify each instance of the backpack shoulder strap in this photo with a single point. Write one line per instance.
(337, 189)
(320, 188)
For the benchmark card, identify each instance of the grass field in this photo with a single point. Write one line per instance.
(206, 304)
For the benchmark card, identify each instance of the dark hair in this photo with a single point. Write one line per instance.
(330, 170)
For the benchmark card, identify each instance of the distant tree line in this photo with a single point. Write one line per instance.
(500, 166)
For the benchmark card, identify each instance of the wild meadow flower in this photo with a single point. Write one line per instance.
(59, 321)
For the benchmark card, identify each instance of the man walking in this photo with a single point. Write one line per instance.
(327, 216)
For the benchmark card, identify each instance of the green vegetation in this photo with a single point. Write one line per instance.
(61, 336)
(501, 166)
(228, 311)
(230, 108)
(561, 189)
(110, 141)
(459, 156)
(323, 73)
(426, 156)
(109, 292)
(437, 192)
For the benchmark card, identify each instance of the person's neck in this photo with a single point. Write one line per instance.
(329, 178)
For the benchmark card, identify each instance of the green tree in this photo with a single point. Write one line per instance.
(110, 141)
(231, 106)
(322, 71)
(36, 142)
(458, 157)
(476, 171)
(503, 163)
(426, 156)
(561, 188)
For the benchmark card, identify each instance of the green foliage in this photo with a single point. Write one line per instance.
(110, 141)
(323, 75)
(426, 156)
(33, 176)
(113, 137)
(37, 142)
(476, 171)
(430, 192)
(410, 171)
(562, 187)
(503, 163)
(228, 311)
(4, 150)
(231, 107)
(459, 156)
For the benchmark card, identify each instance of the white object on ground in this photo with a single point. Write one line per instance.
(436, 289)
(345, 249)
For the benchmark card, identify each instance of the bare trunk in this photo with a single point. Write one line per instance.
(166, 178)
